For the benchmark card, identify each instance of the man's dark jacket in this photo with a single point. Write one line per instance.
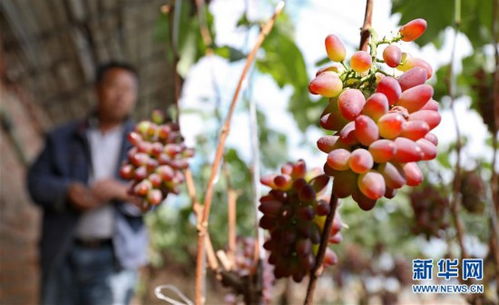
(66, 158)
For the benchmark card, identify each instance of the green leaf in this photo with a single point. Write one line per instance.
(230, 53)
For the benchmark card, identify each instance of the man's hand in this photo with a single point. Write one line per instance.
(109, 189)
(81, 197)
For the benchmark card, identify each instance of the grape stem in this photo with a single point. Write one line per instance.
(318, 268)
(365, 32)
(203, 224)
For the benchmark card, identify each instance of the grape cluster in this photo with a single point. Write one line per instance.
(430, 211)
(245, 265)
(381, 122)
(156, 161)
(295, 217)
(473, 191)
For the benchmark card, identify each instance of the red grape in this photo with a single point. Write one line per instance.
(390, 87)
(431, 105)
(414, 77)
(413, 29)
(414, 130)
(361, 61)
(327, 143)
(350, 103)
(372, 184)
(432, 138)
(406, 151)
(366, 130)
(390, 125)
(338, 159)
(382, 150)
(392, 56)
(412, 173)
(432, 118)
(394, 178)
(327, 84)
(428, 148)
(376, 105)
(364, 202)
(347, 134)
(335, 48)
(360, 161)
(416, 97)
(344, 184)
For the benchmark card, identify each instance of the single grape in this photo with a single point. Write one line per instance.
(127, 171)
(333, 121)
(283, 182)
(416, 97)
(350, 103)
(382, 150)
(407, 151)
(333, 68)
(319, 182)
(366, 130)
(412, 173)
(413, 29)
(154, 196)
(431, 105)
(394, 178)
(360, 161)
(390, 87)
(414, 130)
(372, 184)
(345, 184)
(347, 134)
(364, 202)
(361, 61)
(376, 105)
(428, 148)
(327, 143)
(414, 77)
(432, 118)
(299, 169)
(432, 138)
(390, 125)
(335, 48)
(392, 56)
(327, 84)
(338, 159)
(390, 193)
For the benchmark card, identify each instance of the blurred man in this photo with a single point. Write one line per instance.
(93, 238)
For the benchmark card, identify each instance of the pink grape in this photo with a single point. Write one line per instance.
(366, 130)
(327, 84)
(413, 77)
(327, 143)
(413, 29)
(361, 61)
(431, 105)
(392, 56)
(347, 134)
(414, 130)
(390, 125)
(432, 118)
(335, 48)
(350, 103)
(382, 150)
(394, 177)
(409, 62)
(345, 183)
(432, 138)
(360, 161)
(407, 151)
(364, 202)
(372, 184)
(376, 105)
(338, 159)
(390, 87)
(416, 97)
(412, 173)
(428, 148)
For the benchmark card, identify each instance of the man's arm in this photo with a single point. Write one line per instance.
(46, 188)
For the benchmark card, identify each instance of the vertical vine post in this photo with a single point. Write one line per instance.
(203, 224)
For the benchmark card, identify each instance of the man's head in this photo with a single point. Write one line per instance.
(116, 86)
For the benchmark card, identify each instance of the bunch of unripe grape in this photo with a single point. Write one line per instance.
(156, 161)
(294, 215)
(430, 211)
(245, 265)
(381, 121)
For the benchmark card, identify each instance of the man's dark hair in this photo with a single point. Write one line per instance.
(103, 68)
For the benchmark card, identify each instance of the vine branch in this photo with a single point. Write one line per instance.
(365, 32)
(203, 225)
(318, 268)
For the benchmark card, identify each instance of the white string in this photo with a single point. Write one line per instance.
(161, 296)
